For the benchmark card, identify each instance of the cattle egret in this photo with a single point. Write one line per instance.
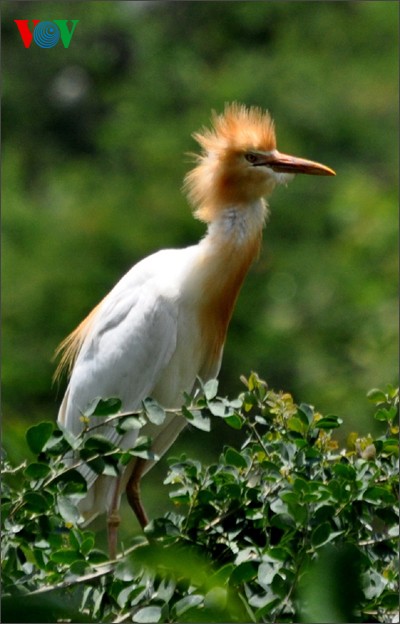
(164, 324)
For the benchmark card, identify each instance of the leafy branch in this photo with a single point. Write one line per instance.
(252, 534)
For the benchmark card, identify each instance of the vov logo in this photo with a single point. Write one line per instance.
(46, 34)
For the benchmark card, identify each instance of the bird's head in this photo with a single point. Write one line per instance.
(239, 162)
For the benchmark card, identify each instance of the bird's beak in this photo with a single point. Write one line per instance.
(283, 163)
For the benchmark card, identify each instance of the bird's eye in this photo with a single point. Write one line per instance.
(251, 158)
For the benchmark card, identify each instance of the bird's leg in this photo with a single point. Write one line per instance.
(133, 492)
(113, 521)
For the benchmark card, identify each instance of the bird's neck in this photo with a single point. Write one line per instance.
(230, 246)
(236, 227)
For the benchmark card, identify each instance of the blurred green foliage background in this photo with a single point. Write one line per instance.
(94, 144)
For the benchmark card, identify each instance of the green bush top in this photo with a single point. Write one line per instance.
(286, 528)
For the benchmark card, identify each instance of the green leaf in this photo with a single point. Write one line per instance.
(233, 458)
(254, 382)
(281, 554)
(143, 443)
(283, 521)
(160, 528)
(103, 407)
(126, 458)
(386, 414)
(110, 467)
(147, 615)
(57, 444)
(320, 534)
(77, 568)
(127, 570)
(37, 471)
(75, 539)
(300, 485)
(328, 422)
(298, 512)
(99, 443)
(129, 423)
(219, 409)
(68, 510)
(390, 600)
(235, 421)
(201, 422)
(378, 495)
(249, 401)
(376, 396)
(125, 595)
(38, 435)
(73, 482)
(231, 491)
(243, 573)
(38, 502)
(181, 497)
(97, 556)
(211, 389)
(87, 545)
(296, 424)
(142, 448)
(155, 413)
(186, 603)
(196, 418)
(345, 471)
(216, 599)
(305, 413)
(10, 526)
(375, 585)
(265, 574)
(261, 420)
(270, 468)
(39, 558)
(289, 497)
(66, 556)
(221, 576)
(392, 391)
(73, 441)
(390, 446)
(97, 464)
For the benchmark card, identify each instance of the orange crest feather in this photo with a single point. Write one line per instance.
(239, 128)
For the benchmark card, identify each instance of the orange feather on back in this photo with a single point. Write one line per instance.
(71, 345)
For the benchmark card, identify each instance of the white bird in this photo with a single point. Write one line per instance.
(165, 322)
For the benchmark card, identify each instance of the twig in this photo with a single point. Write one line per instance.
(99, 572)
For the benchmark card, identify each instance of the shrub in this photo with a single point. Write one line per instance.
(289, 527)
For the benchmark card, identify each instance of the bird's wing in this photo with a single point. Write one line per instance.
(130, 342)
